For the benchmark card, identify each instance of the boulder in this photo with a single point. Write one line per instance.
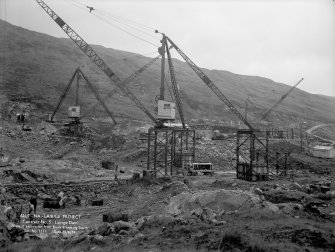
(98, 237)
(104, 230)
(123, 225)
(331, 193)
(204, 214)
(258, 191)
(153, 221)
(175, 188)
(270, 206)
(289, 207)
(111, 217)
(217, 201)
(295, 186)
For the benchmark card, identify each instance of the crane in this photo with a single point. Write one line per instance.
(124, 82)
(88, 50)
(174, 84)
(75, 125)
(281, 99)
(209, 83)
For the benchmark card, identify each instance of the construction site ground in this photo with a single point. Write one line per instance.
(295, 212)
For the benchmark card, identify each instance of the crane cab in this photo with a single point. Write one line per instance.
(73, 112)
(166, 110)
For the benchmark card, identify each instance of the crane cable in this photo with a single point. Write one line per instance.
(117, 17)
(136, 56)
(102, 16)
(122, 29)
(124, 23)
(142, 26)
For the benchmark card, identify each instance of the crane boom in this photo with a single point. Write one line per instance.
(281, 99)
(175, 86)
(124, 82)
(62, 97)
(210, 84)
(98, 97)
(88, 50)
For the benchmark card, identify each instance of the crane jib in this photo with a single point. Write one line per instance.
(60, 22)
(107, 70)
(84, 47)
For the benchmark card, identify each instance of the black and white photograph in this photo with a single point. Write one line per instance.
(167, 125)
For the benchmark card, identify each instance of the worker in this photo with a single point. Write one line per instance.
(33, 201)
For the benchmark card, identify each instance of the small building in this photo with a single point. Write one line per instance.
(323, 151)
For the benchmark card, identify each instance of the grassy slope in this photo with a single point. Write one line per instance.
(39, 65)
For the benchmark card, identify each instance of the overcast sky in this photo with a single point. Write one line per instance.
(283, 40)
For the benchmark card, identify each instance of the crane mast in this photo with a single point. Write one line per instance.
(175, 86)
(88, 50)
(210, 84)
(64, 94)
(281, 99)
(79, 72)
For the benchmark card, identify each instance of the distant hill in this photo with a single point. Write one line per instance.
(39, 66)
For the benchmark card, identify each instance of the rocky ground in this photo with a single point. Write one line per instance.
(203, 213)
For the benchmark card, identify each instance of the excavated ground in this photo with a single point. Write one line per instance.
(204, 213)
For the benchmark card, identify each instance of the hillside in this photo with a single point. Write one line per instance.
(39, 66)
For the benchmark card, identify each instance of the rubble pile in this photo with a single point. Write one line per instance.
(220, 153)
(314, 198)
(218, 201)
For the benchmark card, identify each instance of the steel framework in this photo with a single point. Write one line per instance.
(170, 150)
(254, 162)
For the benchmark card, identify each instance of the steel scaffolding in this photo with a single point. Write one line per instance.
(254, 162)
(170, 150)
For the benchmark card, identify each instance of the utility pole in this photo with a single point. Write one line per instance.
(301, 142)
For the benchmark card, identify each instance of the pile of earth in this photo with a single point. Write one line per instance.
(217, 200)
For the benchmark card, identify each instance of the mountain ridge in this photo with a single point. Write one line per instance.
(40, 65)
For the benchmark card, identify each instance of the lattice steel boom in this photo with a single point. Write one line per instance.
(88, 50)
(210, 84)
(124, 82)
(281, 99)
(175, 86)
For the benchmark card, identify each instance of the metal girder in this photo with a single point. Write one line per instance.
(65, 92)
(124, 82)
(280, 100)
(96, 94)
(88, 50)
(175, 86)
(210, 84)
